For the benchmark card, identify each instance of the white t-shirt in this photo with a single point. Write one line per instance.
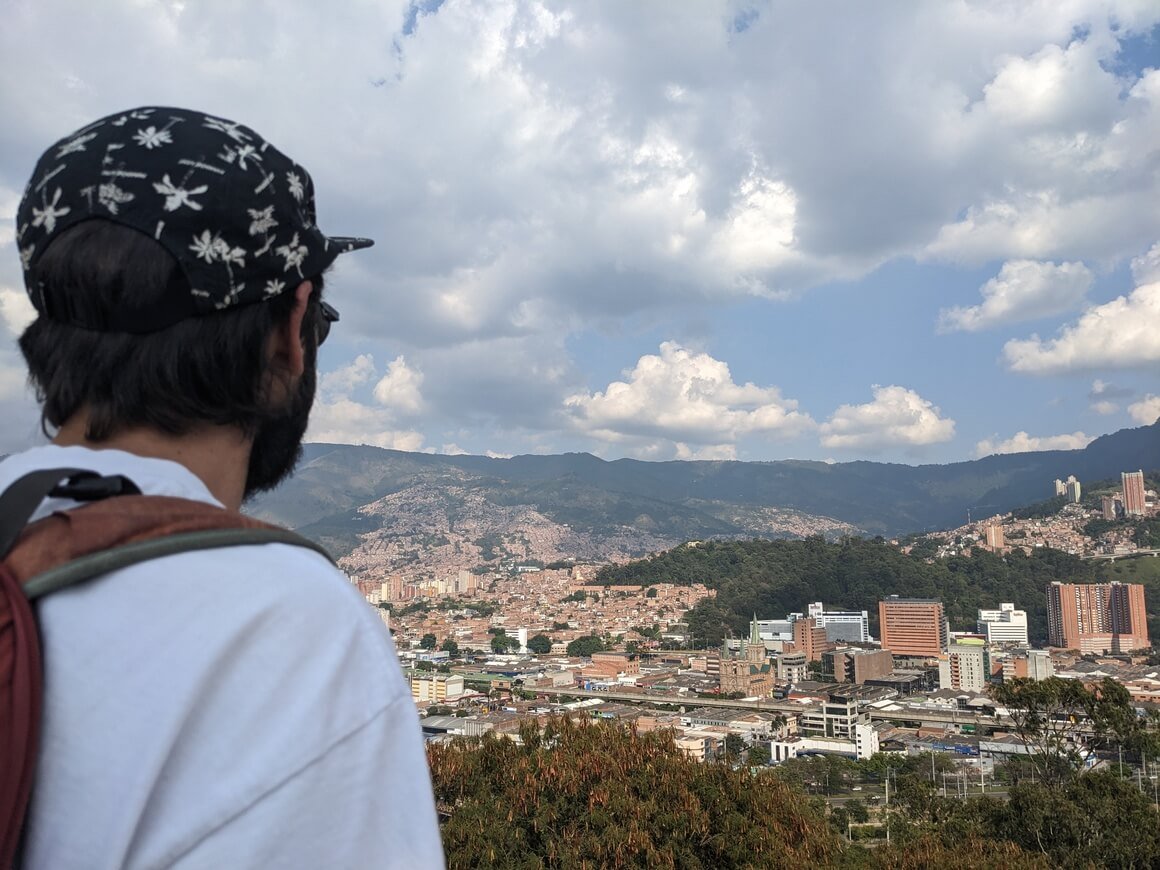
(240, 707)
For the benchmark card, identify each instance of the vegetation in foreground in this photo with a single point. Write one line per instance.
(594, 794)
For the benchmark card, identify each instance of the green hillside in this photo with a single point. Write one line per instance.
(772, 578)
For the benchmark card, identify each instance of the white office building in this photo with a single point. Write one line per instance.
(1005, 625)
(851, 626)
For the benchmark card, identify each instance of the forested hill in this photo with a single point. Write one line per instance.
(698, 499)
(772, 578)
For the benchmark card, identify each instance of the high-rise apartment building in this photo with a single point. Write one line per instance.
(1110, 507)
(996, 540)
(915, 627)
(1072, 489)
(1097, 617)
(1133, 483)
(1005, 625)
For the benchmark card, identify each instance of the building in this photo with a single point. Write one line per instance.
(750, 673)
(1072, 489)
(1111, 507)
(1133, 483)
(964, 668)
(1034, 665)
(1097, 617)
(1005, 625)
(913, 627)
(861, 745)
(1060, 487)
(857, 665)
(851, 626)
(834, 718)
(432, 688)
(809, 638)
(996, 540)
(792, 668)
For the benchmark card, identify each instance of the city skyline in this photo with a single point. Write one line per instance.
(737, 230)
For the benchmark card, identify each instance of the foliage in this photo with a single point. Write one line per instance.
(1051, 718)
(560, 626)
(541, 644)
(599, 795)
(577, 596)
(585, 646)
(758, 755)
(651, 593)
(428, 642)
(502, 644)
(1041, 510)
(450, 647)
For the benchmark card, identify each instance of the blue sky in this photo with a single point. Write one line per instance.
(910, 233)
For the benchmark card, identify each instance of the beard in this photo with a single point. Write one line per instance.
(278, 443)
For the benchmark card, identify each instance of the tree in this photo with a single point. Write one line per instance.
(501, 643)
(450, 647)
(758, 755)
(652, 592)
(428, 642)
(856, 807)
(585, 646)
(576, 794)
(541, 644)
(1063, 722)
(734, 746)
(560, 626)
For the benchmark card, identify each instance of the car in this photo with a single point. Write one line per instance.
(856, 788)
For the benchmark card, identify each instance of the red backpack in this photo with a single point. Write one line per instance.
(120, 527)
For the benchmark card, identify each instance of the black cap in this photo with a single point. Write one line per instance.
(236, 213)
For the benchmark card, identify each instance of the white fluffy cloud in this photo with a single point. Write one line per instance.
(1119, 334)
(339, 416)
(1146, 267)
(681, 398)
(1021, 442)
(1146, 411)
(1023, 290)
(897, 418)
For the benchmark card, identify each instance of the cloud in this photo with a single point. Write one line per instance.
(1021, 442)
(16, 310)
(1023, 290)
(897, 417)
(1146, 411)
(399, 388)
(1102, 393)
(680, 398)
(1146, 267)
(339, 416)
(1116, 335)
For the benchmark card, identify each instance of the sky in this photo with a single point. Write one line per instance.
(707, 230)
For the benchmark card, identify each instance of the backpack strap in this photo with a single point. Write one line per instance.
(88, 567)
(21, 499)
(71, 546)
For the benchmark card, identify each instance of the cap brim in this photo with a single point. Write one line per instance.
(346, 244)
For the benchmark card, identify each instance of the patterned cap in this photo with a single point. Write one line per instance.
(236, 213)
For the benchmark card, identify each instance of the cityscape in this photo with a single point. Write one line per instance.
(485, 652)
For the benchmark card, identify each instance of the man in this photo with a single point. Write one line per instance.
(221, 708)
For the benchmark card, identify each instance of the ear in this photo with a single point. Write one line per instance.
(286, 354)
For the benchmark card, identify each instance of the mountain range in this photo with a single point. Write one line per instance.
(579, 506)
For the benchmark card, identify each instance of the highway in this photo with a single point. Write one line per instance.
(912, 714)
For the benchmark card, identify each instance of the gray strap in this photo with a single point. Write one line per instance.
(105, 561)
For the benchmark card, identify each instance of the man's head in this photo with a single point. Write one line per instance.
(162, 249)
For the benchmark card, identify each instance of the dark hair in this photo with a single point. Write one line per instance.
(201, 370)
